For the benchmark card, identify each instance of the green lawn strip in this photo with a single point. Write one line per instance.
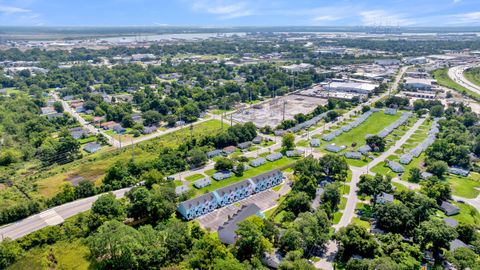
(279, 164)
(472, 77)
(399, 187)
(374, 124)
(357, 162)
(441, 75)
(466, 187)
(336, 217)
(343, 203)
(345, 189)
(361, 223)
(194, 177)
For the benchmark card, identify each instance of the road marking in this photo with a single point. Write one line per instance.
(51, 217)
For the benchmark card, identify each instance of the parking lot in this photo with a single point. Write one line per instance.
(264, 200)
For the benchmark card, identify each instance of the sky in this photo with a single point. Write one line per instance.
(239, 12)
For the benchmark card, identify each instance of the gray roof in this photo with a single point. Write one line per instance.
(244, 145)
(458, 171)
(334, 148)
(406, 159)
(233, 187)
(395, 167)
(385, 197)
(390, 111)
(449, 208)
(450, 222)
(457, 243)
(92, 147)
(274, 156)
(315, 142)
(364, 149)
(353, 155)
(198, 200)
(221, 175)
(226, 232)
(268, 174)
(200, 183)
(214, 153)
(426, 175)
(258, 162)
(181, 189)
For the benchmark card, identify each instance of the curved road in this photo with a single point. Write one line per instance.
(456, 74)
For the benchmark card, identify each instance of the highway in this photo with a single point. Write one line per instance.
(456, 74)
(52, 216)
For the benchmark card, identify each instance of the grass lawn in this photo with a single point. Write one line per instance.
(374, 124)
(279, 164)
(441, 75)
(399, 187)
(194, 177)
(357, 162)
(93, 167)
(345, 189)
(61, 255)
(361, 223)
(343, 203)
(473, 76)
(467, 215)
(336, 217)
(466, 187)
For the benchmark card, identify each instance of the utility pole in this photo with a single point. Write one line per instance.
(231, 119)
(133, 150)
(284, 104)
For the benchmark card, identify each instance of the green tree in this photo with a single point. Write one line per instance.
(436, 111)
(415, 175)
(57, 105)
(10, 251)
(436, 189)
(205, 251)
(331, 196)
(290, 240)
(288, 141)
(434, 234)
(376, 143)
(298, 202)
(438, 168)
(356, 240)
(140, 200)
(197, 158)
(106, 208)
(223, 164)
(115, 246)
(251, 241)
(374, 186)
(463, 258)
(333, 167)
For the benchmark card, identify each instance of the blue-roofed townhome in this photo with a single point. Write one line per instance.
(198, 206)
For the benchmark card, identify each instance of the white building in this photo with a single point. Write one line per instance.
(419, 84)
(362, 88)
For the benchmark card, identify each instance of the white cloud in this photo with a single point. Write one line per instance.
(10, 9)
(326, 18)
(224, 9)
(470, 18)
(382, 17)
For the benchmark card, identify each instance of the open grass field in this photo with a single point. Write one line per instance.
(374, 124)
(194, 177)
(94, 166)
(441, 75)
(283, 163)
(466, 187)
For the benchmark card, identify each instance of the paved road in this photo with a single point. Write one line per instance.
(57, 214)
(456, 74)
(52, 216)
(349, 211)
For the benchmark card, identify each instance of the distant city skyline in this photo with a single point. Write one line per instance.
(239, 13)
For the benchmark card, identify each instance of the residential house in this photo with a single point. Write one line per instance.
(228, 150)
(219, 176)
(198, 206)
(385, 198)
(244, 145)
(258, 162)
(227, 231)
(235, 192)
(274, 156)
(315, 143)
(92, 147)
(181, 189)
(201, 183)
(449, 209)
(214, 153)
(267, 180)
